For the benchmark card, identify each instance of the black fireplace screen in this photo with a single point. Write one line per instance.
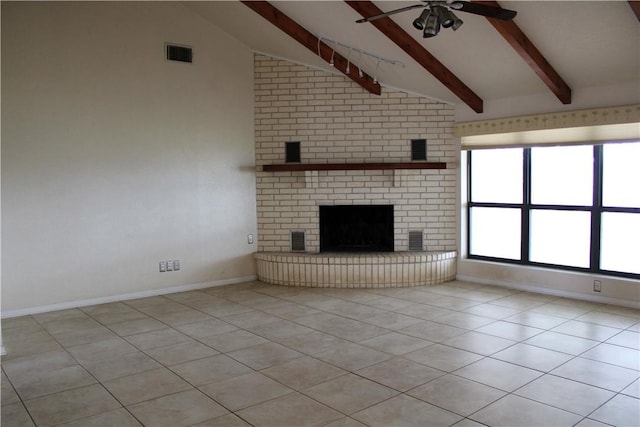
(360, 228)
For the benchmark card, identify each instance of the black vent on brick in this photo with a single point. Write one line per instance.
(292, 152)
(418, 149)
(297, 241)
(179, 53)
(415, 241)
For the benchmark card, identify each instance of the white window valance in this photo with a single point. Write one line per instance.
(593, 126)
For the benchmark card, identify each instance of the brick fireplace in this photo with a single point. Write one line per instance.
(336, 122)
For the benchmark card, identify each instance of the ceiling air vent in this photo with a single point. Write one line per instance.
(179, 53)
(418, 149)
(415, 240)
(297, 241)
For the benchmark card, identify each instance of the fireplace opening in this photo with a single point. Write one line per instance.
(359, 228)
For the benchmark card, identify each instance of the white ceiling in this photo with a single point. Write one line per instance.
(589, 43)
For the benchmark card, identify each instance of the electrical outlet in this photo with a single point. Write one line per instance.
(250, 239)
(597, 286)
(169, 265)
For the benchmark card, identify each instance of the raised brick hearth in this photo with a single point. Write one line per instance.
(378, 270)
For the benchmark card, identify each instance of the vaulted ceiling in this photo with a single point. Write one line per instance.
(560, 53)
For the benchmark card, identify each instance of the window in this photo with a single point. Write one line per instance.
(621, 180)
(619, 246)
(620, 227)
(560, 237)
(496, 232)
(570, 207)
(562, 175)
(497, 184)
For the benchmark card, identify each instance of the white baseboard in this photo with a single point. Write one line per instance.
(124, 297)
(549, 291)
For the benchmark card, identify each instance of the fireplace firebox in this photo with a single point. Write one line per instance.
(357, 228)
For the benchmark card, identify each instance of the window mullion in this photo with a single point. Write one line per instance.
(526, 205)
(596, 210)
(469, 183)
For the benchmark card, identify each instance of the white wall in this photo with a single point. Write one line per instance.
(114, 159)
(615, 290)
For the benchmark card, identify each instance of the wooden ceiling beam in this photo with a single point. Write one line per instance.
(315, 45)
(635, 6)
(532, 56)
(414, 49)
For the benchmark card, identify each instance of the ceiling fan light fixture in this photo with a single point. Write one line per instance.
(457, 22)
(432, 27)
(421, 21)
(444, 15)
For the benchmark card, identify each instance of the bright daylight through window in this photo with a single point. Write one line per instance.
(570, 207)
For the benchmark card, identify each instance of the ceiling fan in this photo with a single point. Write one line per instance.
(438, 14)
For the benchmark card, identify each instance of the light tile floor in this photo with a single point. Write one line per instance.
(253, 354)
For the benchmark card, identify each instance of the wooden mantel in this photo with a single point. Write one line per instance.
(294, 167)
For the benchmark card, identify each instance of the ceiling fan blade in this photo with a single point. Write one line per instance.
(484, 10)
(392, 12)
